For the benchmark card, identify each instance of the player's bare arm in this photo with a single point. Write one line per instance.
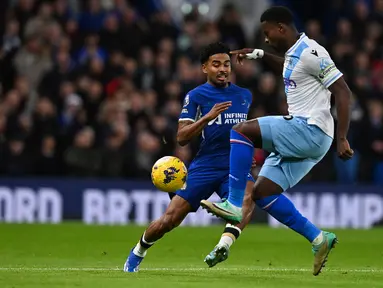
(188, 129)
(342, 95)
(273, 61)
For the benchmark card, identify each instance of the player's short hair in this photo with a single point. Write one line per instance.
(278, 14)
(212, 49)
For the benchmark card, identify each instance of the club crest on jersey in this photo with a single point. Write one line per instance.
(291, 62)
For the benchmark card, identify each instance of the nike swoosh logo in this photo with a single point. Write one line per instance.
(226, 212)
(235, 178)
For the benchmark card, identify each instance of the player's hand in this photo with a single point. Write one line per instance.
(247, 53)
(218, 109)
(253, 164)
(344, 150)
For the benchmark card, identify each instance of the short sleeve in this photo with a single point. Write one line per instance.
(190, 109)
(320, 65)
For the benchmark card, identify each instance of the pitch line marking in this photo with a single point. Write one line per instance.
(261, 269)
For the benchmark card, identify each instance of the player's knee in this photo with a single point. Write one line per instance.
(257, 192)
(260, 190)
(251, 130)
(265, 190)
(240, 128)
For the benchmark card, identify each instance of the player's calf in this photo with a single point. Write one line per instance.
(172, 218)
(251, 130)
(231, 233)
(268, 196)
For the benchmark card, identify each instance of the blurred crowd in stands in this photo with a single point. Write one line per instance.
(96, 91)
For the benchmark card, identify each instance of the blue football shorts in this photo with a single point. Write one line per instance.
(295, 147)
(203, 182)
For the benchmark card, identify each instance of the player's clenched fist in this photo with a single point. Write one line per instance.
(247, 53)
(344, 150)
(218, 109)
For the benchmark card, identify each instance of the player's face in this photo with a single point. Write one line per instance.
(274, 35)
(218, 69)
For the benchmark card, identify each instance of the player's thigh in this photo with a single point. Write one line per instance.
(292, 137)
(271, 171)
(177, 210)
(200, 185)
(286, 173)
(296, 170)
(251, 130)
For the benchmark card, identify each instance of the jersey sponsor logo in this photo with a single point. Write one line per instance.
(289, 84)
(217, 121)
(187, 100)
(185, 111)
(229, 118)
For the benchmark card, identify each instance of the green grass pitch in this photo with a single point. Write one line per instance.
(75, 255)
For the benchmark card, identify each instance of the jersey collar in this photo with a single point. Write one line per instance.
(212, 86)
(301, 37)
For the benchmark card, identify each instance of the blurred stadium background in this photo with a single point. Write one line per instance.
(91, 92)
(89, 100)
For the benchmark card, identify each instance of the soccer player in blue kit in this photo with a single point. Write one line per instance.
(297, 141)
(210, 110)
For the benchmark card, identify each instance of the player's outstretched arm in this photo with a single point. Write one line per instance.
(188, 129)
(273, 61)
(342, 95)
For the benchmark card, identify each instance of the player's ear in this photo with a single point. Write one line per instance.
(281, 27)
(204, 68)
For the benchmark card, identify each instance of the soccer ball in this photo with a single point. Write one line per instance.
(169, 174)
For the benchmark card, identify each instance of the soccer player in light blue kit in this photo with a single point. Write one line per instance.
(298, 141)
(211, 109)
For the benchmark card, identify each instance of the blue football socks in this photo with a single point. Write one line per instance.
(282, 209)
(241, 158)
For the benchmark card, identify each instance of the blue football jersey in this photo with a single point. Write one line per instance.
(214, 148)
